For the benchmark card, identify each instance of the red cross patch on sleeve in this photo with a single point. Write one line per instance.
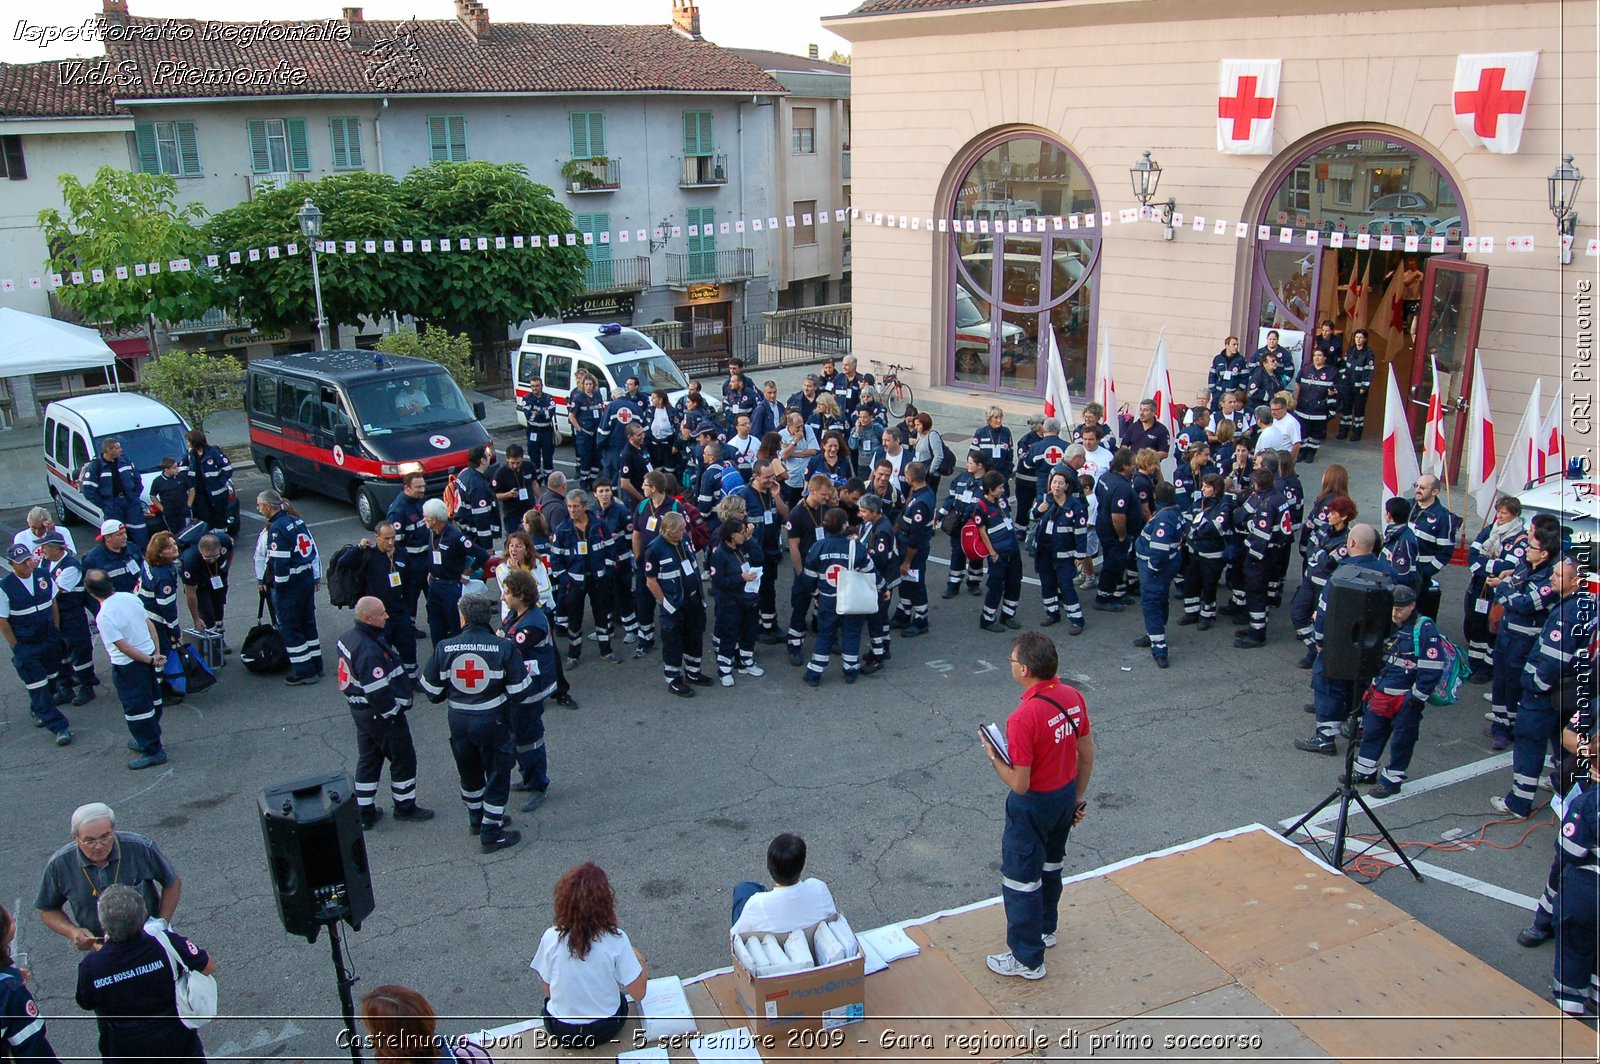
(1433, 652)
(33, 1010)
(1568, 830)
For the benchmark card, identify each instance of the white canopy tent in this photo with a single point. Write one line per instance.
(32, 344)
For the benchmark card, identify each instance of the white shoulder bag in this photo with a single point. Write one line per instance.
(857, 593)
(196, 992)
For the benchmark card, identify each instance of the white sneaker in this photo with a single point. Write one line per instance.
(1488, 696)
(752, 670)
(1547, 783)
(1489, 716)
(1049, 939)
(1498, 804)
(727, 680)
(1006, 964)
(630, 637)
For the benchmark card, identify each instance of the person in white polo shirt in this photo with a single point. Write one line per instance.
(587, 962)
(1284, 432)
(791, 903)
(41, 524)
(129, 637)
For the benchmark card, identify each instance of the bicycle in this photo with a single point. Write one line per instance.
(895, 392)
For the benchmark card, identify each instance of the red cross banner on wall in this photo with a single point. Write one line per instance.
(1247, 105)
(1490, 98)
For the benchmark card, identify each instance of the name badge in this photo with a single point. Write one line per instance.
(438, 557)
(650, 524)
(1481, 606)
(394, 579)
(522, 493)
(216, 583)
(583, 548)
(766, 517)
(688, 567)
(995, 449)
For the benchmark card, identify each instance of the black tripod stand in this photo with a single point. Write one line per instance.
(347, 980)
(1344, 794)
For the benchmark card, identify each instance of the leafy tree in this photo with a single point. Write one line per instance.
(278, 293)
(482, 292)
(453, 351)
(122, 217)
(194, 383)
(839, 57)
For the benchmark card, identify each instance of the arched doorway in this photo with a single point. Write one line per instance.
(1400, 218)
(1012, 272)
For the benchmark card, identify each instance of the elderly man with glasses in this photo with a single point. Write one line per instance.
(98, 857)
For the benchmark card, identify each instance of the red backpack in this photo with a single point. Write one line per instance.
(699, 531)
(972, 544)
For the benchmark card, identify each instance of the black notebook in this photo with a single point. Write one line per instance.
(997, 739)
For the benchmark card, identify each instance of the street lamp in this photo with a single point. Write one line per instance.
(311, 226)
(1146, 174)
(1564, 183)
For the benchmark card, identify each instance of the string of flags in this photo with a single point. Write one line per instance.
(1407, 238)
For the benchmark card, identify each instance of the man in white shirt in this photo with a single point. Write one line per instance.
(411, 400)
(40, 524)
(791, 903)
(799, 443)
(1096, 459)
(745, 445)
(1284, 432)
(130, 639)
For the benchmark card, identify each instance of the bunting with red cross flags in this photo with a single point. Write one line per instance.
(1490, 98)
(1247, 105)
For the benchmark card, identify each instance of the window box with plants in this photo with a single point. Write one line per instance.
(596, 173)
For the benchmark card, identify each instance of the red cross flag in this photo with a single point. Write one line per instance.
(1247, 104)
(1491, 98)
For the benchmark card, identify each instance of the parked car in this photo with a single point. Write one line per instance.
(1400, 203)
(1574, 500)
(76, 429)
(610, 353)
(349, 424)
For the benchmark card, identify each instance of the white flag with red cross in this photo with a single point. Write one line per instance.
(1482, 460)
(1490, 98)
(1247, 105)
(1057, 401)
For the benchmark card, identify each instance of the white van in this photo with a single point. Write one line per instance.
(75, 429)
(610, 353)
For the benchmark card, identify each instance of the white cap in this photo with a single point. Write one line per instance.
(110, 526)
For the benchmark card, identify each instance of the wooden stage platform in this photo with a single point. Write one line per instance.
(1237, 947)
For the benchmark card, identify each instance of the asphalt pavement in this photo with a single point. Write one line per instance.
(677, 799)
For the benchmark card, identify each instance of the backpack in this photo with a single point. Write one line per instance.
(972, 540)
(344, 576)
(1456, 669)
(699, 531)
(263, 650)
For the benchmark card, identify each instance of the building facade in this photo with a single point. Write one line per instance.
(998, 113)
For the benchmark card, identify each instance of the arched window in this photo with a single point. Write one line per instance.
(1355, 182)
(1014, 275)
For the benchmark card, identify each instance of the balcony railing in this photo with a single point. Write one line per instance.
(734, 264)
(214, 320)
(592, 175)
(617, 275)
(701, 171)
(845, 163)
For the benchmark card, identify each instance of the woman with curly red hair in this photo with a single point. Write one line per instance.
(586, 962)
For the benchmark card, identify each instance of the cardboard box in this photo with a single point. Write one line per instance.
(815, 999)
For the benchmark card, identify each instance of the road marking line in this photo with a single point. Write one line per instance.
(1447, 778)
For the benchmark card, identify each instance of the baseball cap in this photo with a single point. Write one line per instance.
(17, 554)
(53, 538)
(1404, 596)
(111, 526)
(704, 427)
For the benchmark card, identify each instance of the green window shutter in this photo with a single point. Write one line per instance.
(299, 150)
(588, 129)
(697, 132)
(458, 139)
(438, 139)
(260, 159)
(341, 154)
(144, 135)
(188, 149)
(352, 143)
(702, 248)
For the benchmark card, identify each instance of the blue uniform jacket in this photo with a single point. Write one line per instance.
(452, 554)
(372, 677)
(823, 560)
(123, 568)
(884, 548)
(1400, 548)
(291, 553)
(762, 512)
(674, 569)
(99, 477)
(588, 410)
(21, 1026)
(917, 523)
(1435, 529)
(620, 413)
(1359, 364)
(725, 566)
(529, 632)
(477, 671)
(996, 520)
(1413, 660)
(540, 410)
(581, 558)
(996, 443)
(1161, 541)
(1210, 526)
(477, 512)
(1319, 392)
(1563, 645)
(1063, 530)
(411, 532)
(965, 491)
(1227, 374)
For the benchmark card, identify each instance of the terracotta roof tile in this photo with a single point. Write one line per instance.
(895, 7)
(47, 90)
(441, 57)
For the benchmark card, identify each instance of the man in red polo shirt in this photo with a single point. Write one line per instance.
(1051, 758)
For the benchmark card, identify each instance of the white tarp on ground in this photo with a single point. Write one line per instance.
(33, 344)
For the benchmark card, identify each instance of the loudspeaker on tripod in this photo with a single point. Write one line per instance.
(316, 853)
(1356, 623)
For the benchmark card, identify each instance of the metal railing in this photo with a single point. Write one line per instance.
(702, 170)
(711, 267)
(779, 338)
(214, 320)
(617, 275)
(593, 175)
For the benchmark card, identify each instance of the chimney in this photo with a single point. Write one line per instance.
(115, 12)
(686, 18)
(356, 23)
(474, 16)
(813, 52)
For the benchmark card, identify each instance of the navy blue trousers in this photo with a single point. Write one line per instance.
(1033, 849)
